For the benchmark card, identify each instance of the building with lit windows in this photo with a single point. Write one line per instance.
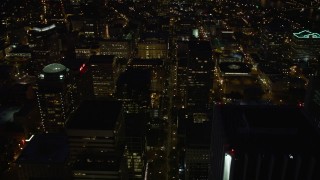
(237, 83)
(85, 50)
(53, 11)
(197, 150)
(133, 89)
(99, 166)
(104, 72)
(152, 49)
(96, 132)
(55, 97)
(95, 27)
(45, 45)
(182, 71)
(306, 47)
(200, 70)
(275, 33)
(45, 38)
(89, 24)
(156, 69)
(120, 49)
(20, 58)
(254, 142)
(135, 145)
(226, 40)
(95, 126)
(185, 26)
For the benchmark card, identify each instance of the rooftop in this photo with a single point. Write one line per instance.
(272, 128)
(151, 62)
(45, 148)
(200, 46)
(198, 134)
(234, 67)
(54, 68)
(21, 49)
(95, 115)
(102, 59)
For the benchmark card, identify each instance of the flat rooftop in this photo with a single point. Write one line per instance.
(150, 62)
(45, 148)
(266, 127)
(21, 49)
(198, 134)
(95, 115)
(107, 59)
(234, 67)
(202, 46)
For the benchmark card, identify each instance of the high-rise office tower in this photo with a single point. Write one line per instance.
(95, 126)
(133, 89)
(135, 145)
(104, 73)
(312, 101)
(200, 70)
(157, 76)
(45, 45)
(263, 142)
(182, 71)
(95, 132)
(197, 150)
(55, 97)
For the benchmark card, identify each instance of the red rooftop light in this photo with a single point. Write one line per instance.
(83, 68)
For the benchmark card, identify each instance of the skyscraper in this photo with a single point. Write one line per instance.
(45, 44)
(96, 131)
(312, 101)
(200, 68)
(55, 97)
(104, 74)
(256, 142)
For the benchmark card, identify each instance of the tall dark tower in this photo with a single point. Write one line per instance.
(200, 68)
(55, 97)
(263, 142)
(312, 101)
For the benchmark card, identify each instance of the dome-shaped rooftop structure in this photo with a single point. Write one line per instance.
(54, 68)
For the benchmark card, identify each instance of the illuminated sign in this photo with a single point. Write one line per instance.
(44, 29)
(305, 34)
